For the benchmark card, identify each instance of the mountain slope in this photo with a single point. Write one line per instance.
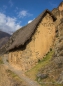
(3, 41)
(49, 72)
(4, 34)
(54, 69)
(4, 37)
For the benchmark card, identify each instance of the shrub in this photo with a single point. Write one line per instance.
(50, 49)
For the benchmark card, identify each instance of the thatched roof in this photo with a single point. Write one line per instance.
(61, 3)
(25, 33)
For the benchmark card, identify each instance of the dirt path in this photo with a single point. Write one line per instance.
(20, 74)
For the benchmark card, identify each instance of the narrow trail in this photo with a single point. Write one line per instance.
(20, 74)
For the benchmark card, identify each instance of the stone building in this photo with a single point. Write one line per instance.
(32, 42)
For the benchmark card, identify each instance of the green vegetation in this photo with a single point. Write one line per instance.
(52, 85)
(33, 72)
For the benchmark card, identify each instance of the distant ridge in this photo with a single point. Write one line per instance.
(4, 37)
(4, 34)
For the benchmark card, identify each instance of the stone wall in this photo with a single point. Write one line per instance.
(37, 48)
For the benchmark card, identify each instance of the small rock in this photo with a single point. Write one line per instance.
(42, 76)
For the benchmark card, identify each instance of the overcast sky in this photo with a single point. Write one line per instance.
(17, 13)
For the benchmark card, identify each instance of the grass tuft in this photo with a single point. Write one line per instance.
(1, 62)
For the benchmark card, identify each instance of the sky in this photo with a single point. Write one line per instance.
(15, 14)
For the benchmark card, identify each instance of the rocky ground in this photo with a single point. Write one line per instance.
(53, 72)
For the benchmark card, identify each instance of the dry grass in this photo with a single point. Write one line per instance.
(1, 62)
(16, 79)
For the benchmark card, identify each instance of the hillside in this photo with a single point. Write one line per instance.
(49, 71)
(3, 41)
(4, 34)
(4, 37)
(54, 69)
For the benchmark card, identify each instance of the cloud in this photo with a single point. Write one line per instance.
(53, 4)
(11, 3)
(30, 21)
(8, 24)
(24, 13)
